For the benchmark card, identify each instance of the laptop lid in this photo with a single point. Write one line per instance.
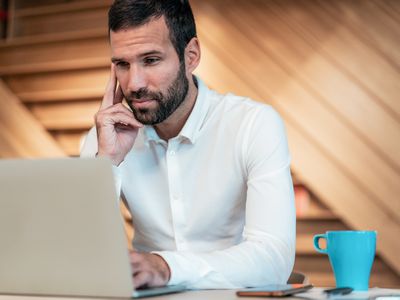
(61, 232)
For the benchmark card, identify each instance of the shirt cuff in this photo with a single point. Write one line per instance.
(177, 276)
(183, 270)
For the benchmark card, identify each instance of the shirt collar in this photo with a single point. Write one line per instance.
(195, 121)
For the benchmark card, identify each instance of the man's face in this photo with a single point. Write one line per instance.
(148, 70)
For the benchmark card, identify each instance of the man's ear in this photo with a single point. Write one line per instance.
(192, 55)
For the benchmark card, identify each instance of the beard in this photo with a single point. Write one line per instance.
(167, 102)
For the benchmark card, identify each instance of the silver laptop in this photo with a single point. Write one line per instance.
(61, 232)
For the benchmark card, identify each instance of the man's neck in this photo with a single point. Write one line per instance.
(174, 123)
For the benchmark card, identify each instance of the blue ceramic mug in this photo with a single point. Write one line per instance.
(351, 254)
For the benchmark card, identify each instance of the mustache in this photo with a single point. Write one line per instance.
(144, 93)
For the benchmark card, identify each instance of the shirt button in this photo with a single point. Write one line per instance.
(172, 153)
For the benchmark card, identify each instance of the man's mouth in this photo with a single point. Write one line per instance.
(142, 103)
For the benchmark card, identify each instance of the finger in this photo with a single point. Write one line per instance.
(119, 107)
(114, 111)
(135, 257)
(137, 261)
(135, 266)
(123, 119)
(108, 99)
(119, 95)
(142, 279)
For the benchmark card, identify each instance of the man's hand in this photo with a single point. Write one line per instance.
(149, 269)
(116, 126)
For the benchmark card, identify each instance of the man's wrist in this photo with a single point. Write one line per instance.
(164, 268)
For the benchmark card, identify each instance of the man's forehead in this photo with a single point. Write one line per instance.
(153, 32)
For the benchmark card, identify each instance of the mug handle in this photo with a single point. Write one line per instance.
(316, 243)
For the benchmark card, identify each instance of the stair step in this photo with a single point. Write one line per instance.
(46, 56)
(45, 19)
(69, 140)
(319, 226)
(21, 4)
(66, 116)
(308, 208)
(61, 95)
(60, 7)
(318, 216)
(22, 41)
(60, 86)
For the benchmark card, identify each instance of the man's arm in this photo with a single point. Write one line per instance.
(266, 254)
(264, 257)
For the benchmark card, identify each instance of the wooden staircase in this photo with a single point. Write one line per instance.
(55, 61)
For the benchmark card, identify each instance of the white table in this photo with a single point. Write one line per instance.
(315, 294)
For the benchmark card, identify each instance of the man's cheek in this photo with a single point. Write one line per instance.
(166, 77)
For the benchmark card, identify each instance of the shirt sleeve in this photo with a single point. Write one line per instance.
(266, 253)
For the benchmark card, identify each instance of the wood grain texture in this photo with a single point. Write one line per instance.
(329, 85)
(346, 49)
(70, 115)
(59, 86)
(69, 140)
(21, 135)
(22, 4)
(59, 7)
(41, 23)
(47, 55)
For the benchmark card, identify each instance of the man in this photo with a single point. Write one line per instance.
(206, 176)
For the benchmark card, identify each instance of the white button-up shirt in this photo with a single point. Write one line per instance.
(216, 201)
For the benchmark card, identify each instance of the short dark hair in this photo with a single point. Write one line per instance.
(177, 13)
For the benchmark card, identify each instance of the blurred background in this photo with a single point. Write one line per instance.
(331, 69)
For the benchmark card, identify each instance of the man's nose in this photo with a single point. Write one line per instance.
(137, 79)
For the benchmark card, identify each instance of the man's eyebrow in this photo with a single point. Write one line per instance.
(152, 52)
(116, 59)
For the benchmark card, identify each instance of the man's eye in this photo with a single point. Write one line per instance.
(122, 64)
(151, 60)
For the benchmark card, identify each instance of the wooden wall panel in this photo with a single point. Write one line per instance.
(329, 84)
(369, 23)
(346, 49)
(390, 7)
